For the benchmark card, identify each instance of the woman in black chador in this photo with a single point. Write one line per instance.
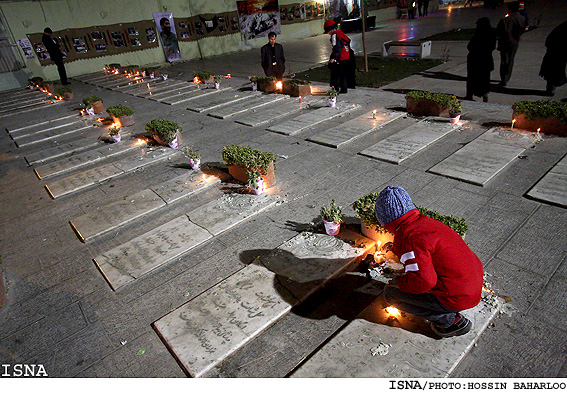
(479, 60)
(555, 59)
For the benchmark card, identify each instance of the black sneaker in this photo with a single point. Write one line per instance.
(460, 327)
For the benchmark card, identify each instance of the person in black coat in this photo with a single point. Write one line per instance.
(273, 59)
(555, 59)
(509, 30)
(479, 60)
(55, 54)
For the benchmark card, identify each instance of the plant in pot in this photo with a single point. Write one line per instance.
(114, 133)
(459, 225)
(121, 114)
(132, 69)
(332, 217)
(152, 72)
(297, 87)
(455, 110)
(35, 82)
(424, 103)
(217, 79)
(267, 84)
(369, 225)
(93, 104)
(254, 83)
(194, 157)
(332, 93)
(164, 76)
(65, 93)
(203, 77)
(255, 181)
(547, 115)
(241, 159)
(164, 131)
(48, 86)
(114, 67)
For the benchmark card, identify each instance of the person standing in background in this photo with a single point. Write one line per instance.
(509, 30)
(479, 60)
(55, 54)
(555, 59)
(273, 59)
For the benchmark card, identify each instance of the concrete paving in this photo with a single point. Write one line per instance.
(61, 312)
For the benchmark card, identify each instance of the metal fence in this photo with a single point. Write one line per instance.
(9, 59)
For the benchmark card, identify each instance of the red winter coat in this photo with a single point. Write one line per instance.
(341, 46)
(436, 260)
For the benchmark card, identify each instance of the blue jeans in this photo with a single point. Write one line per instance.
(424, 305)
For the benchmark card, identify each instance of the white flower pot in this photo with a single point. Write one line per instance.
(90, 111)
(116, 138)
(217, 85)
(333, 102)
(152, 75)
(455, 119)
(195, 163)
(332, 228)
(254, 86)
(258, 186)
(173, 143)
(164, 76)
(143, 74)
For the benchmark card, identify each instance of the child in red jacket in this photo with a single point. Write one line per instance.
(442, 275)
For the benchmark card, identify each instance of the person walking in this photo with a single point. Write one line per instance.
(52, 47)
(442, 275)
(509, 30)
(340, 60)
(555, 60)
(273, 59)
(479, 60)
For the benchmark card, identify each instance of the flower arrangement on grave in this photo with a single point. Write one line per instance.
(35, 81)
(267, 84)
(93, 104)
(152, 71)
(332, 217)
(48, 86)
(332, 93)
(370, 227)
(114, 133)
(254, 83)
(164, 131)
(240, 159)
(194, 157)
(297, 87)
(459, 225)
(547, 115)
(121, 114)
(203, 76)
(255, 180)
(217, 80)
(65, 93)
(132, 69)
(114, 67)
(424, 103)
(90, 100)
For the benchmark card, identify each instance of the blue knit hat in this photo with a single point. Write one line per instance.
(392, 203)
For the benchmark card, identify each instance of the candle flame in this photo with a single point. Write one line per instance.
(279, 85)
(196, 80)
(538, 129)
(393, 311)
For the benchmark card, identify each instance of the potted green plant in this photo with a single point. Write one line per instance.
(152, 71)
(332, 93)
(459, 225)
(132, 69)
(267, 84)
(35, 82)
(369, 225)
(241, 159)
(332, 217)
(94, 103)
(255, 181)
(114, 133)
(254, 83)
(297, 87)
(194, 157)
(48, 86)
(65, 93)
(549, 116)
(455, 111)
(164, 76)
(164, 131)
(424, 103)
(121, 114)
(114, 67)
(203, 77)
(217, 80)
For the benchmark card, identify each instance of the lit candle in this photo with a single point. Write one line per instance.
(148, 85)
(374, 114)
(513, 121)
(228, 75)
(299, 98)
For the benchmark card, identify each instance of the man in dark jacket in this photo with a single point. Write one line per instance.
(555, 59)
(509, 30)
(442, 275)
(273, 59)
(55, 54)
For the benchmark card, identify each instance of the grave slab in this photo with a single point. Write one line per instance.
(230, 210)
(56, 152)
(28, 102)
(82, 180)
(249, 104)
(553, 186)
(24, 108)
(167, 89)
(50, 135)
(16, 135)
(353, 129)
(15, 101)
(40, 125)
(145, 157)
(113, 215)
(312, 118)
(186, 185)
(126, 263)
(288, 107)
(219, 99)
(209, 328)
(192, 94)
(139, 89)
(408, 142)
(376, 345)
(483, 158)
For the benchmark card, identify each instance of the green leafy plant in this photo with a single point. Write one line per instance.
(191, 153)
(150, 69)
(364, 208)
(46, 83)
(457, 224)
(332, 93)
(332, 212)
(203, 75)
(114, 65)
(265, 79)
(245, 156)
(35, 81)
(449, 101)
(89, 100)
(119, 110)
(542, 109)
(60, 91)
(114, 131)
(254, 79)
(296, 82)
(165, 129)
(132, 67)
(253, 175)
(217, 78)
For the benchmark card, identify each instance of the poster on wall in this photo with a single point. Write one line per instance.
(26, 47)
(257, 18)
(166, 29)
(336, 9)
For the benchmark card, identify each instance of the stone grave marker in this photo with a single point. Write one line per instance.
(58, 151)
(191, 95)
(167, 90)
(356, 128)
(247, 105)
(265, 115)
(220, 99)
(186, 185)
(50, 134)
(42, 126)
(552, 187)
